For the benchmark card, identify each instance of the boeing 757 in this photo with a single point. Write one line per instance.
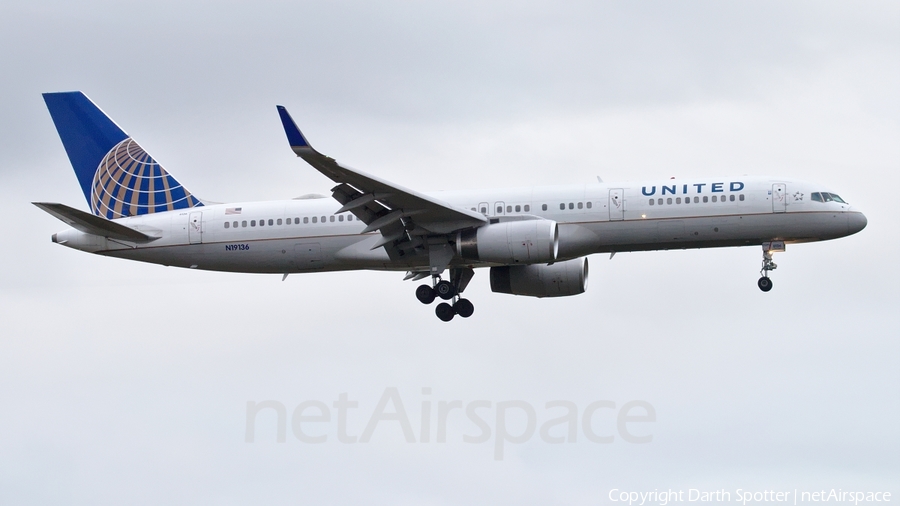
(534, 240)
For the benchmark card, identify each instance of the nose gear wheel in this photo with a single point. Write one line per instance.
(764, 283)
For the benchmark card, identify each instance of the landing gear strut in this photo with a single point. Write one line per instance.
(448, 290)
(764, 283)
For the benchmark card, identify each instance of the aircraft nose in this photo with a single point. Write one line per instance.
(856, 221)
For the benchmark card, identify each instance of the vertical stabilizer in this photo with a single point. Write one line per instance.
(117, 176)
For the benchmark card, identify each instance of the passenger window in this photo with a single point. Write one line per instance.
(262, 223)
(588, 205)
(714, 198)
(279, 221)
(349, 217)
(296, 221)
(659, 201)
(341, 217)
(527, 208)
(580, 205)
(234, 225)
(518, 209)
(305, 219)
(483, 210)
(669, 200)
(705, 200)
(315, 219)
(499, 209)
(741, 197)
(562, 207)
(331, 218)
(244, 223)
(252, 223)
(473, 208)
(731, 198)
(652, 202)
(509, 209)
(696, 200)
(323, 219)
(678, 200)
(271, 222)
(227, 224)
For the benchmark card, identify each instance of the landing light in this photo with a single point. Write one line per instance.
(643, 216)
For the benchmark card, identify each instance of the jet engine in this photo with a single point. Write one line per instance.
(539, 280)
(510, 242)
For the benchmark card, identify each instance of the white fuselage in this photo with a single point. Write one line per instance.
(304, 235)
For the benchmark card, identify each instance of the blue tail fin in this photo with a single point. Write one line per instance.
(117, 176)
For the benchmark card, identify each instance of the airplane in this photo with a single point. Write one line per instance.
(534, 240)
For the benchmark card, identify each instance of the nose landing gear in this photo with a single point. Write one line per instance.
(448, 290)
(764, 283)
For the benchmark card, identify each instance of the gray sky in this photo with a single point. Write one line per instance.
(128, 383)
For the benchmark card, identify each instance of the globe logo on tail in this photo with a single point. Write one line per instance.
(129, 182)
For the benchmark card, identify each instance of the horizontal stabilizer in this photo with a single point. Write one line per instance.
(92, 224)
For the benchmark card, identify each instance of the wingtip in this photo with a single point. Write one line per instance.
(294, 136)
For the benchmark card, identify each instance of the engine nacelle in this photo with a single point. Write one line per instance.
(510, 242)
(557, 280)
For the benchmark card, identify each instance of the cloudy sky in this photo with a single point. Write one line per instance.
(125, 383)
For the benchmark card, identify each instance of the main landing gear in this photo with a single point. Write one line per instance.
(764, 283)
(449, 291)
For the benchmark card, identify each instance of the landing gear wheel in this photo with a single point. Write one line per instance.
(464, 308)
(445, 290)
(764, 284)
(444, 311)
(425, 294)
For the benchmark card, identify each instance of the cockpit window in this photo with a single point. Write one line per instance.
(825, 197)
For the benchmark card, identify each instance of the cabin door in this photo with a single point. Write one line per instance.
(195, 227)
(616, 204)
(779, 198)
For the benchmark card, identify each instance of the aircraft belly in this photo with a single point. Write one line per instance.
(716, 231)
(267, 256)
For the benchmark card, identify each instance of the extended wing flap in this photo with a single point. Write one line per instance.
(92, 224)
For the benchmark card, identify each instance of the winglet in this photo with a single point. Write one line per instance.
(294, 136)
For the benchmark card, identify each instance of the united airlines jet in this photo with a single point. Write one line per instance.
(535, 241)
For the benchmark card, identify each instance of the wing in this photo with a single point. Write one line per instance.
(402, 216)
